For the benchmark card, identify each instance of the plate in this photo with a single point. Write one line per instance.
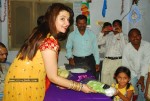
(78, 70)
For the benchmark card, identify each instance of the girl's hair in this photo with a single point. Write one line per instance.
(39, 33)
(125, 70)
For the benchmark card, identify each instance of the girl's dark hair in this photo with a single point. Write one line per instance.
(125, 70)
(39, 33)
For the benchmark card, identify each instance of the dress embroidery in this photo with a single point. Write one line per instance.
(49, 43)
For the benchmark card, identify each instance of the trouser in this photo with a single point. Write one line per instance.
(89, 61)
(108, 69)
(100, 72)
(138, 90)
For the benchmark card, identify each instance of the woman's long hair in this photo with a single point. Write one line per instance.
(31, 44)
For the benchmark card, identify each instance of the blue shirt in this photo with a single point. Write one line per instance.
(82, 45)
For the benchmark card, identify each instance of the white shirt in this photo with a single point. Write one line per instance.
(101, 44)
(4, 67)
(137, 60)
(114, 44)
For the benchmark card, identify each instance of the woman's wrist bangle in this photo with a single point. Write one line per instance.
(70, 85)
(75, 86)
(81, 86)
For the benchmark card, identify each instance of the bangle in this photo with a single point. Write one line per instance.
(75, 86)
(70, 85)
(81, 86)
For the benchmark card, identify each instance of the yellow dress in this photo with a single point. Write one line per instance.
(25, 80)
(123, 91)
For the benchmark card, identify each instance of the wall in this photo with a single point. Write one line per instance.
(112, 13)
(3, 25)
(144, 23)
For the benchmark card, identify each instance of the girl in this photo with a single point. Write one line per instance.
(124, 88)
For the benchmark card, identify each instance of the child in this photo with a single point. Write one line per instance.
(124, 89)
(147, 92)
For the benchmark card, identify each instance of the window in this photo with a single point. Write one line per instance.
(23, 16)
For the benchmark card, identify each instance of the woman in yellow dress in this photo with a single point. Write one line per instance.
(25, 80)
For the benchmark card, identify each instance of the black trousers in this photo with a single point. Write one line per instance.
(88, 61)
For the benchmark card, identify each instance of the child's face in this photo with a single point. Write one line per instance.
(122, 79)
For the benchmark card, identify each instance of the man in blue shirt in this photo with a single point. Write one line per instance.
(82, 46)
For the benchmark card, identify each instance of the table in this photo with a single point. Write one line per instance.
(56, 94)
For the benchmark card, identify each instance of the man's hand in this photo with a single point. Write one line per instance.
(141, 82)
(71, 61)
(117, 30)
(97, 68)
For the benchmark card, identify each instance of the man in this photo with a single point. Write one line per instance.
(114, 43)
(3, 64)
(136, 57)
(82, 46)
(107, 27)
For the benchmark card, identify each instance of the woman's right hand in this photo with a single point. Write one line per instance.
(87, 89)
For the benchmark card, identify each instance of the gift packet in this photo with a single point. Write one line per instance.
(100, 87)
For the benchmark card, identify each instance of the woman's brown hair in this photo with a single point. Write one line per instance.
(31, 44)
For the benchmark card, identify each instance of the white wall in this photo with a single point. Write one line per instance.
(144, 24)
(3, 25)
(112, 13)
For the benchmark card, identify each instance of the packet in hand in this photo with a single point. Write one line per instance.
(101, 88)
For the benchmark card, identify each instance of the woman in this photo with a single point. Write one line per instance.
(37, 57)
